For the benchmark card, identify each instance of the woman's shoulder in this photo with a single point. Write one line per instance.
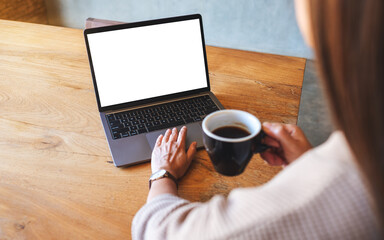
(336, 148)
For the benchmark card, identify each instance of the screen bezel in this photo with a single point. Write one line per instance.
(141, 24)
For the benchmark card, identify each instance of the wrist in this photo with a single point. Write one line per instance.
(160, 174)
(164, 182)
(162, 186)
(168, 169)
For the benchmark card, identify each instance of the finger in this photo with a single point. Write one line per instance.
(182, 136)
(191, 152)
(272, 159)
(174, 134)
(295, 131)
(271, 142)
(277, 131)
(298, 134)
(292, 129)
(158, 141)
(166, 135)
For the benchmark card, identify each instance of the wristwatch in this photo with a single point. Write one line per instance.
(161, 174)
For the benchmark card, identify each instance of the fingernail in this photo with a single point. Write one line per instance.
(267, 124)
(184, 127)
(271, 126)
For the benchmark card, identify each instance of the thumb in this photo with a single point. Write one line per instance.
(191, 152)
(277, 131)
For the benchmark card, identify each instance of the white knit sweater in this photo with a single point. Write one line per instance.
(319, 196)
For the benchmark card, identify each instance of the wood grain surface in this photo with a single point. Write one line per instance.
(56, 176)
(33, 11)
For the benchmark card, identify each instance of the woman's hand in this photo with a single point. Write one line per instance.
(287, 142)
(169, 153)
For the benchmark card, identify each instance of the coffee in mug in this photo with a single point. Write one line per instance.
(231, 137)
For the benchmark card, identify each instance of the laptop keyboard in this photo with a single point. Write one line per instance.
(167, 115)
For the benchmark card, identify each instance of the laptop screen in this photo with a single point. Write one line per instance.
(144, 62)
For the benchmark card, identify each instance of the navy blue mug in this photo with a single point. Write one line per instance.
(231, 137)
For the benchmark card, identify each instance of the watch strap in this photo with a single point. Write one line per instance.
(165, 175)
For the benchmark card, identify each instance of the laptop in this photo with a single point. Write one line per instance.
(149, 76)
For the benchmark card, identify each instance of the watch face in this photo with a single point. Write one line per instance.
(158, 174)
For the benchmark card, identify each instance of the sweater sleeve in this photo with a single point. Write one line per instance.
(153, 219)
(171, 217)
(316, 197)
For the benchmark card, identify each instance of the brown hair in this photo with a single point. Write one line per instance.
(349, 45)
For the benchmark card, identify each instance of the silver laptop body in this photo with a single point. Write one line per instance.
(139, 66)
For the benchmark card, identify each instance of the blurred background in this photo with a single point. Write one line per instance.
(267, 26)
(256, 25)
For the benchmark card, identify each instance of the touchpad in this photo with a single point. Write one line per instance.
(194, 134)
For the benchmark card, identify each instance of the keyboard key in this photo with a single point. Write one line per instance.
(113, 123)
(116, 135)
(177, 123)
(143, 130)
(133, 133)
(117, 127)
(189, 120)
(154, 128)
(111, 117)
(125, 134)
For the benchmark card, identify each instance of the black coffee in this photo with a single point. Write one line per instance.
(231, 132)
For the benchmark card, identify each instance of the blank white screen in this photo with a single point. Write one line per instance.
(140, 63)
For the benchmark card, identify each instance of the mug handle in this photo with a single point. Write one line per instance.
(258, 146)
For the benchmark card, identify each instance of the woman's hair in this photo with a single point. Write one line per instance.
(349, 45)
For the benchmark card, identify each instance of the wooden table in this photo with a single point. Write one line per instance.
(56, 176)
